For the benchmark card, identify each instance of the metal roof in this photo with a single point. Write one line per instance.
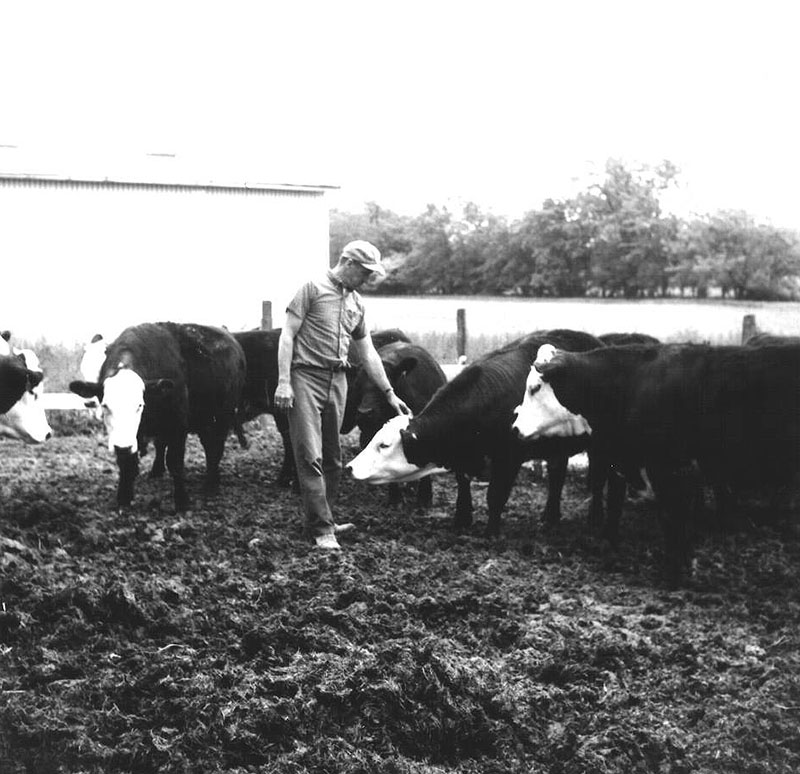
(146, 169)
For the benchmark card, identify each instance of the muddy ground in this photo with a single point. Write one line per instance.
(223, 642)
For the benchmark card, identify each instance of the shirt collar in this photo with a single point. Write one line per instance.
(337, 283)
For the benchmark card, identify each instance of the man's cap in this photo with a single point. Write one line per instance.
(366, 254)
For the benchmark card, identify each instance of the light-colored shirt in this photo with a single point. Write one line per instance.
(331, 316)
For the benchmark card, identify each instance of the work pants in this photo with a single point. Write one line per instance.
(314, 422)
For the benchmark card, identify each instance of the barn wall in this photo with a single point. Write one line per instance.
(82, 258)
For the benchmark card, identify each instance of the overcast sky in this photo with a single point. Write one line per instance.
(502, 103)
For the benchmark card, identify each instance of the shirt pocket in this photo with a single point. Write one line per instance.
(351, 319)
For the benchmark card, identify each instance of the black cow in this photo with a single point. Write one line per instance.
(258, 397)
(415, 376)
(732, 411)
(466, 427)
(161, 381)
(765, 339)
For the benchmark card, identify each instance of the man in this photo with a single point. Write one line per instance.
(321, 320)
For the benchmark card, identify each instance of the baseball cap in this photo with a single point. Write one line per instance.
(366, 254)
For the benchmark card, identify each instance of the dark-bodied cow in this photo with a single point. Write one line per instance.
(261, 353)
(764, 339)
(734, 412)
(22, 415)
(161, 381)
(415, 376)
(466, 427)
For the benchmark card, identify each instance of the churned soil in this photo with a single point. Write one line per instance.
(222, 641)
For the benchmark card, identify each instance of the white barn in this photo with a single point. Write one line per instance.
(96, 246)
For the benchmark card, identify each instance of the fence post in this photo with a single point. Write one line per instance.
(461, 333)
(749, 327)
(266, 315)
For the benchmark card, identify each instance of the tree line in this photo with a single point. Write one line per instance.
(612, 240)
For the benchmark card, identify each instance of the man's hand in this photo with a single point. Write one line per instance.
(397, 404)
(284, 396)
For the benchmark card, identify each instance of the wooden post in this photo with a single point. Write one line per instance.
(266, 315)
(749, 327)
(461, 333)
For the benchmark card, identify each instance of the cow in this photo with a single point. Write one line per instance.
(161, 381)
(466, 428)
(764, 339)
(731, 412)
(415, 376)
(261, 352)
(22, 415)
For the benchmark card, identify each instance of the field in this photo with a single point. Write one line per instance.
(492, 321)
(222, 642)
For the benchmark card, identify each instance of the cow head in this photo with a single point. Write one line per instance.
(383, 459)
(374, 410)
(26, 420)
(541, 415)
(122, 399)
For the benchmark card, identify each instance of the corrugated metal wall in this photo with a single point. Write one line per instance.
(84, 257)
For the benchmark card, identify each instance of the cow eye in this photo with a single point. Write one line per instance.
(533, 390)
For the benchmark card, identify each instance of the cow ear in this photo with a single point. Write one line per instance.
(159, 387)
(86, 389)
(34, 379)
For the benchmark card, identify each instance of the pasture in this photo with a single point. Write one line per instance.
(140, 642)
(493, 321)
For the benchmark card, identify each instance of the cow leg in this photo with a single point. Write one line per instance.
(159, 462)
(556, 475)
(213, 441)
(176, 451)
(504, 473)
(617, 488)
(599, 474)
(128, 463)
(425, 492)
(674, 489)
(238, 428)
(395, 495)
(463, 517)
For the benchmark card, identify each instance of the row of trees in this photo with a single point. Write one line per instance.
(611, 240)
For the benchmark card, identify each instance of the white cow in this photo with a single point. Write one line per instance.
(540, 415)
(382, 460)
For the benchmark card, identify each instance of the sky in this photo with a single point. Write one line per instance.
(500, 103)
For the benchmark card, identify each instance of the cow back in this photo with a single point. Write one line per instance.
(215, 367)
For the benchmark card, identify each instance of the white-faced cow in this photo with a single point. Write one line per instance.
(734, 412)
(161, 381)
(22, 415)
(415, 376)
(466, 428)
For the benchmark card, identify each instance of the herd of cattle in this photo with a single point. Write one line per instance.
(675, 416)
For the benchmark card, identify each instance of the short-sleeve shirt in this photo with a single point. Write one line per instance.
(332, 316)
